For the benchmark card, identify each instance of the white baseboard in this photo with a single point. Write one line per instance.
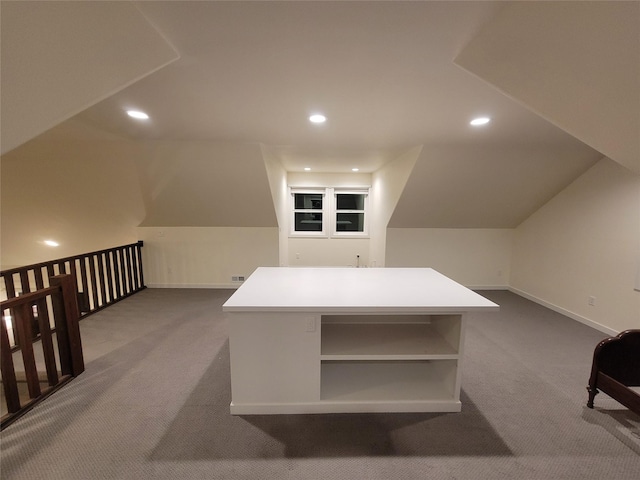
(487, 287)
(194, 285)
(566, 313)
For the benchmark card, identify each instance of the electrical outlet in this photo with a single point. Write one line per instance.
(311, 324)
(592, 301)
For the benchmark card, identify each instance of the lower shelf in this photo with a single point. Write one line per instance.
(374, 387)
(384, 381)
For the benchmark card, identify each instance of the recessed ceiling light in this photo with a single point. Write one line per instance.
(355, 169)
(307, 169)
(479, 121)
(51, 243)
(317, 118)
(137, 114)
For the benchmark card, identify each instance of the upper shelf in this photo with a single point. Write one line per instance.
(377, 341)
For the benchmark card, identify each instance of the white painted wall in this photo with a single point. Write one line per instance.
(205, 257)
(328, 252)
(388, 184)
(324, 252)
(585, 242)
(476, 258)
(277, 176)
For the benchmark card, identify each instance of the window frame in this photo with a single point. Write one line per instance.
(324, 211)
(329, 211)
(334, 213)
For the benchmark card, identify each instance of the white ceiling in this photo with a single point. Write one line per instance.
(385, 75)
(382, 73)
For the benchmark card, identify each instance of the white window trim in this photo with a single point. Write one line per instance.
(335, 211)
(324, 211)
(329, 211)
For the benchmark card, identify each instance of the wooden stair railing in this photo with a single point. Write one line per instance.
(102, 278)
(58, 301)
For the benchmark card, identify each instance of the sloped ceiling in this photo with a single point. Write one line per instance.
(250, 73)
(471, 186)
(576, 64)
(205, 184)
(45, 45)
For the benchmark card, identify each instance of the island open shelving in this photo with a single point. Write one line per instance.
(327, 340)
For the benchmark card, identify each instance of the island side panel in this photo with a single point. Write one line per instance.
(275, 359)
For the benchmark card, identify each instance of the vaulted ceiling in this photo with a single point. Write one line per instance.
(389, 76)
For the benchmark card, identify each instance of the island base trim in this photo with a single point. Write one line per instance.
(439, 406)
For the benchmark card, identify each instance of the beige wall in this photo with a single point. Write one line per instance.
(476, 258)
(81, 191)
(205, 257)
(585, 243)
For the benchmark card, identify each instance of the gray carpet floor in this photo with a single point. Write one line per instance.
(154, 404)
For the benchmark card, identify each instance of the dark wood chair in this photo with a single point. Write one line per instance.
(616, 368)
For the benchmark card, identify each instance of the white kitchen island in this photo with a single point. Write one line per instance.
(329, 340)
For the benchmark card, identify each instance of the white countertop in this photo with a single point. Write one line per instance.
(354, 290)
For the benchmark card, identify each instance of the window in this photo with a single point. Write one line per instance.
(350, 208)
(308, 210)
(329, 211)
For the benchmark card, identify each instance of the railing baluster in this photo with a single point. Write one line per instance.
(23, 315)
(116, 266)
(83, 276)
(131, 271)
(24, 281)
(94, 281)
(9, 286)
(9, 381)
(50, 270)
(101, 279)
(123, 271)
(47, 345)
(109, 268)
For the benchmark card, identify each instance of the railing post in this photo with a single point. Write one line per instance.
(68, 330)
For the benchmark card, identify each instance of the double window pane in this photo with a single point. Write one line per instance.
(350, 222)
(350, 212)
(308, 222)
(350, 201)
(308, 212)
(308, 201)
